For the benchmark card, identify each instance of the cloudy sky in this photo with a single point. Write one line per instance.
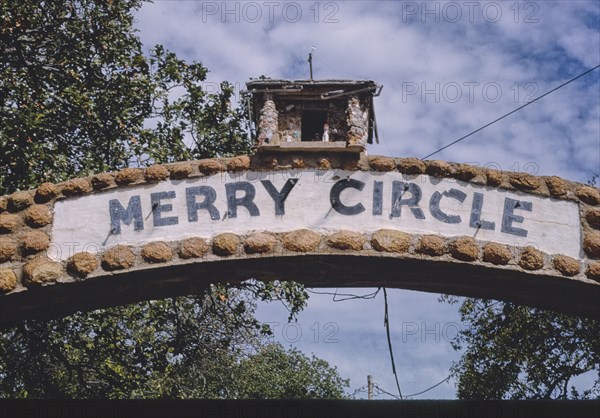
(447, 68)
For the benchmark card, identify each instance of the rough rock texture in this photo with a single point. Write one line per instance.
(181, 171)
(118, 257)
(588, 194)
(239, 163)
(9, 222)
(129, 175)
(302, 240)
(8, 280)
(193, 248)
(390, 241)
(225, 244)
(35, 241)
(592, 216)
(156, 173)
(593, 271)
(431, 245)
(45, 192)
(157, 252)
(531, 258)
(524, 181)
(557, 186)
(494, 177)
(358, 121)
(496, 254)
(566, 265)
(591, 244)
(324, 164)
(76, 187)
(382, 163)
(465, 172)
(465, 249)
(8, 249)
(20, 200)
(439, 168)
(298, 163)
(346, 240)
(350, 165)
(41, 270)
(268, 123)
(38, 215)
(211, 166)
(22, 211)
(82, 264)
(259, 243)
(102, 181)
(411, 166)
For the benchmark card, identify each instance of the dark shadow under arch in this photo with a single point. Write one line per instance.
(575, 297)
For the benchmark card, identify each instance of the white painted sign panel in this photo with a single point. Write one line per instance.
(322, 201)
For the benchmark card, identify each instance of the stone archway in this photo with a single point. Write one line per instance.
(324, 220)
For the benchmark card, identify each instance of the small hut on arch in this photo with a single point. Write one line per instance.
(313, 115)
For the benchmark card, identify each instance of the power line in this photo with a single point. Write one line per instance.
(511, 112)
(386, 322)
(357, 391)
(347, 296)
(382, 390)
(412, 394)
(428, 389)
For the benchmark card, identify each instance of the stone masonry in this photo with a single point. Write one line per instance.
(26, 223)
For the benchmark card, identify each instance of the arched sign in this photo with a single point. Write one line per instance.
(342, 220)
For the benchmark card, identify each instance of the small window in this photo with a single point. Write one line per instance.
(312, 125)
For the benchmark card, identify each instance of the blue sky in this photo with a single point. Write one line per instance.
(447, 68)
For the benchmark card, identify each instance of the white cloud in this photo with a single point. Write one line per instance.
(531, 48)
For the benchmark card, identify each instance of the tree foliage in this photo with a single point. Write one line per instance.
(208, 346)
(274, 373)
(517, 352)
(78, 95)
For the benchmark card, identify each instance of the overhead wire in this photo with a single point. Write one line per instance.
(429, 388)
(360, 389)
(346, 296)
(386, 322)
(511, 112)
(413, 394)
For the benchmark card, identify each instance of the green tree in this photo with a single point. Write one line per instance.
(77, 96)
(274, 373)
(517, 352)
(208, 346)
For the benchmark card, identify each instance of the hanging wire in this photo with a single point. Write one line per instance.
(511, 112)
(382, 390)
(357, 391)
(386, 322)
(346, 296)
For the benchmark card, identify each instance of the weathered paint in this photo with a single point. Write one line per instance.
(318, 200)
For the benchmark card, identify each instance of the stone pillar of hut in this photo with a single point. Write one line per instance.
(268, 124)
(358, 123)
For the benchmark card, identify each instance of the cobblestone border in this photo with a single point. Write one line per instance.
(26, 218)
